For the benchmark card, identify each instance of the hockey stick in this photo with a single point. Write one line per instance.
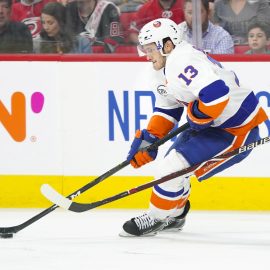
(65, 203)
(8, 231)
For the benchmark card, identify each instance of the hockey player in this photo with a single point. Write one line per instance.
(222, 116)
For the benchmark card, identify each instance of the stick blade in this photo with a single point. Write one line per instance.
(52, 195)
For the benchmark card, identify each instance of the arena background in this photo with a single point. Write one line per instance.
(81, 113)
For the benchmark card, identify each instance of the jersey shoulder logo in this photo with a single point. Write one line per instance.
(161, 89)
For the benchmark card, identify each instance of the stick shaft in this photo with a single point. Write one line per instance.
(123, 164)
(82, 207)
(17, 228)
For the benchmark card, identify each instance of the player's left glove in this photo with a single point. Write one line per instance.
(142, 139)
(197, 120)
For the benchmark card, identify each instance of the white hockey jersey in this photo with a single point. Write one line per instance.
(191, 75)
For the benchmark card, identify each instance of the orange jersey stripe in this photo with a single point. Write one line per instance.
(165, 204)
(259, 118)
(194, 119)
(159, 126)
(213, 110)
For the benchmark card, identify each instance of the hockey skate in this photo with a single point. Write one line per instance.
(174, 224)
(143, 225)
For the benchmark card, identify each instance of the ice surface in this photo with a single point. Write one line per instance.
(90, 241)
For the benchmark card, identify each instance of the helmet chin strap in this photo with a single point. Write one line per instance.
(164, 54)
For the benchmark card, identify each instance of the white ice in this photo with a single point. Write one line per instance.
(90, 241)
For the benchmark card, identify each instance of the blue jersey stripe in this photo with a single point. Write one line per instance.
(168, 193)
(175, 113)
(213, 91)
(247, 107)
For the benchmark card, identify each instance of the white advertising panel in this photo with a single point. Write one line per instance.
(30, 128)
(80, 117)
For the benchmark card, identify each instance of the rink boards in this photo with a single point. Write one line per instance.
(67, 122)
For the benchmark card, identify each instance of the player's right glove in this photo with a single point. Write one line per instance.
(197, 120)
(142, 139)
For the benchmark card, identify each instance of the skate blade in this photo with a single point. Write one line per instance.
(125, 234)
(173, 230)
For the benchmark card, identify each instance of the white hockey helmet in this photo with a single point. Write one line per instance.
(157, 30)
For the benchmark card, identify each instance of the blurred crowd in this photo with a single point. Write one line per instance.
(112, 26)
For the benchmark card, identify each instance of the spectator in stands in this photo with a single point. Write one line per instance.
(54, 37)
(235, 16)
(28, 12)
(15, 37)
(258, 38)
(215, 39)
(99, 20)
(154, 9)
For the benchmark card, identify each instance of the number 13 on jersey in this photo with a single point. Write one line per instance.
(189, 73)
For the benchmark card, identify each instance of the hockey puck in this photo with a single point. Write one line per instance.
(6, 235)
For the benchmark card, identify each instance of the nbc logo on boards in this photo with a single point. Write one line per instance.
(14, 118)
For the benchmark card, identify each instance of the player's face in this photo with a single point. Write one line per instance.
(257, 40)
(4, 13)
(50, 25)
(154, 55)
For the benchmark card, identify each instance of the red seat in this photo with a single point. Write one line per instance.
(98, 49)
(240, 49)
(126, 49)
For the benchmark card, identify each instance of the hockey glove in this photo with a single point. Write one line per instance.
(197, 120)
(142, 139)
